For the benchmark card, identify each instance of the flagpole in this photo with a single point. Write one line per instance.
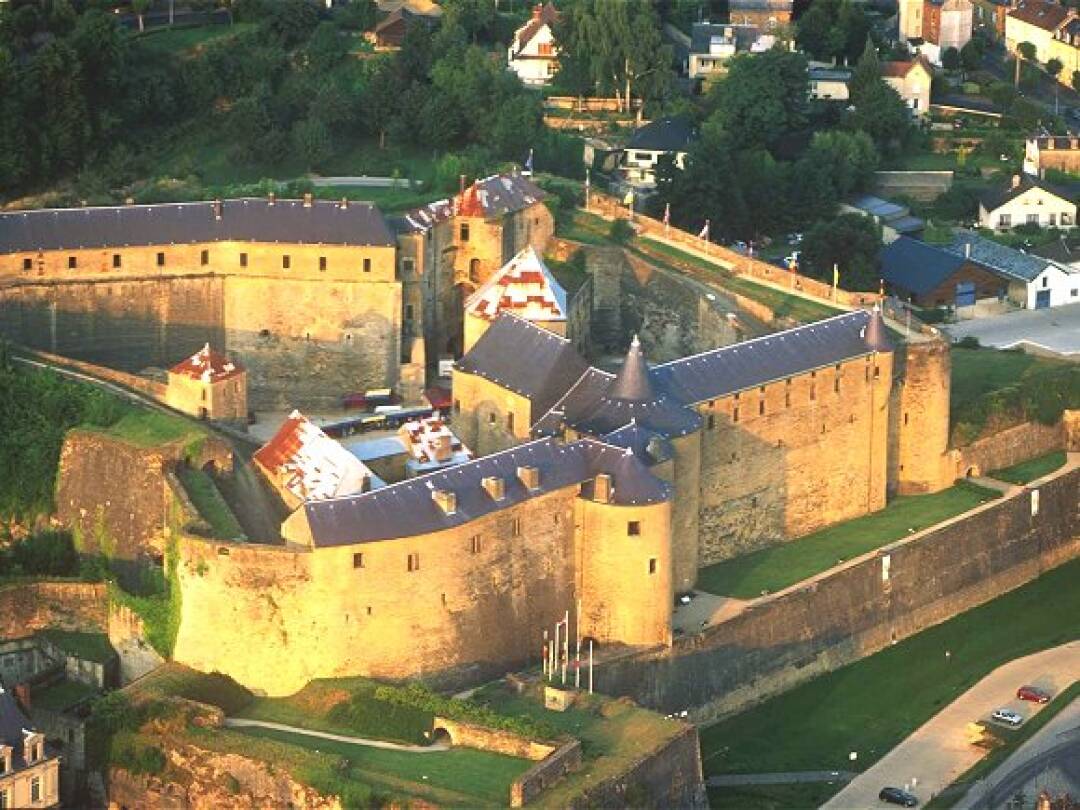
(835, 279)
(587, 188)
(545, 653)
(590, 666)
(566, 645)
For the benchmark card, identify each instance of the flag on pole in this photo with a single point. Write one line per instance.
(529, 163)
(586, 180)
(836, 275)
(629, 198)
(704, 231)
(881, 288)
(667, 214)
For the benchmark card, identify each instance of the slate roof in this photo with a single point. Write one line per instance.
(208, 366)
(995, 256)
(915, 266)
(424, 218)
(701, 35)
(663, 135)
(498, 195)
(650, 447)
(12, 725)
(999, 197)
(1047, 16)
(243, 220)
(526, 359)
(407, 509)
(765, 359)
(1059, 251)
(524, 286)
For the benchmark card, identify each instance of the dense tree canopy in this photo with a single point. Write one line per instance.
(762, 98)
(850, 242)
(833, 30)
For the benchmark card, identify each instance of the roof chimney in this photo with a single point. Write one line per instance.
(495, 487)
(603, 489)
(446, 500)
(309, 199)
(22, 695)
(271, 198)
(538, 9)
(217, 209)
(530, 477)
(461, 184)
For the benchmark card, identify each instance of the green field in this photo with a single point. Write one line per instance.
(771, 797)
(148, 428)
(773, 569)
(62, 695)
(873, 704)
(178, 40)
(1028, 471)
(176, 680)
(210, 504)
(88, 646)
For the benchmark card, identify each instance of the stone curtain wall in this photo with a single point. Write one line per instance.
(143, 385)
(26, 607)
(1009, 447)
(545, 773)
(782, 640)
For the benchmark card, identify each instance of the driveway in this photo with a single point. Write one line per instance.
(938, 752)
(1055, 330)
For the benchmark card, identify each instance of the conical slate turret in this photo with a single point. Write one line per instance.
(632, 382)
(877, 335)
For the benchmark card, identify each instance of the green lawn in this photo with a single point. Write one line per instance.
(775, 568)
(589, 229)
(976, 372)
(210, 504)
(176, 680)
(479, 775)
(62, 695)
(88, 646)
(782, 304)
(181, 39)
(1028, 471)
(873, 704)
(148, 428)
(771, 797)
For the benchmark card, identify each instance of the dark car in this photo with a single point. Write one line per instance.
(1033, 693)
(894, 795)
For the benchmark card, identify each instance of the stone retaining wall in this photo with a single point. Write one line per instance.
(26, 607)
(545, 773)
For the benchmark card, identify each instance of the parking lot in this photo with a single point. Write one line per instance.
(1047, 331)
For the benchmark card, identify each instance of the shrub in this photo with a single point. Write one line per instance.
(969, 342)
(419, 696)
(48, 553)
(621, 231)
(135, 755)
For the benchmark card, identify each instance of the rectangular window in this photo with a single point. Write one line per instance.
(160, 259)
(286, 260)
(358, 560)
(1032, 219)
(652, 565)
(4, 802)
(367, 265)
(204, 258)
(475, 544)
(633, 528)
(322, 264)
(515, 527)
(408, 312)
(735, 415)
(787, 399)
(510, 422)
(72, 262)
(836, 385)
(27, 265)
(407, 265)
(1004, 220)
(761, 408)
(813, 393)
(457, 406)
(711, 421)
(464, 231)
(243, 260)
(35, 789)
(414, 562)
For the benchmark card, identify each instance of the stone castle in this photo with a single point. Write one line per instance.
(597, 493)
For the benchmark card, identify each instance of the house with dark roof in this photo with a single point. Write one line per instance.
(665, 136)
(390, 32)
(29, 769)
(767, 14)
(1027, 200)
(934, 276)
(894, 219)
(533, 53)
(712, 45)
(1034, 282)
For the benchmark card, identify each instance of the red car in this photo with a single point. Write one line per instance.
(1033, 693)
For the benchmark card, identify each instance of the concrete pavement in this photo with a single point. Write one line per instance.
(788, 778)
(1047, 331)
(938, 752)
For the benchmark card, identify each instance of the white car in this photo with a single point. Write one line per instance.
(1006, 716)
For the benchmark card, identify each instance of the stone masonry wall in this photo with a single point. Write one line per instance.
(782, 640)
(1009, 447)
(545, 773)
(26, 607)
(488, 739)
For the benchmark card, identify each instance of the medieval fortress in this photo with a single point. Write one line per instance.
(594, 491)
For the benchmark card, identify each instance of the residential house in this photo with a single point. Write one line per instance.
(912, 81)
(828, 83)
(29, 770)
(665, 136)
(1064, 252)
(712, 45)
(1034, 282)
(427, 8)
(208, 385)
(1027, 201)
(989, 17)
(390, 32)
(1052, 152)
(933, 276)
(894, 219)
(936, 24)
(1053, 29)
(766, 14)
(533, 53)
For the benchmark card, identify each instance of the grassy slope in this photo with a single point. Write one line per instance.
(775, 568)
(180, 40)
(210, 504)
(148, 428)
(88, 646)
(1027, 471)
(174, 679)
(61, 696)
(873, 704)
(979, 371)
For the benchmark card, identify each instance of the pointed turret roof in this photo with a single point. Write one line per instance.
(632, 382)
(877, 334)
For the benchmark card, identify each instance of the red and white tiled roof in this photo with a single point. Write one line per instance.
(430, 440)
(524, 287)
(208, 366)
(309, 464)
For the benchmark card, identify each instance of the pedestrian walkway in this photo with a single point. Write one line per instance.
(936, 754)
(237, 722)
(788, 778)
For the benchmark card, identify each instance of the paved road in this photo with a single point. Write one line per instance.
(938, 752)
(1055, 330)
(1046, 744)
(788, 778)
(236, 722)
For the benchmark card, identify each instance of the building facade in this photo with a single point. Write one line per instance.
(911, 80)
(208, 385)
(665, 137)
(533, 53)
(1027, 201)
(1053, 29)
(29, 771)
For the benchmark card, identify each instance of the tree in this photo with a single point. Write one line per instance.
(971, 54)
(1054, 67)
(1076, 81)
(950, 59)
(1024, 51)
(833, 30)
(849, 159)
(850, 242)
(357, 15)
(324, 49)
(881, 114)
(140, 7)
(311, 138)
(762, 98)
(867, 71)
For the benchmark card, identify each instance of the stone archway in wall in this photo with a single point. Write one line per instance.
(972, 471)
(440, 736)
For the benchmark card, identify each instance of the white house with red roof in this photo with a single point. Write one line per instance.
(303, 464)
(911, 80)
(208, 385)
(524, 287)
(534, 54)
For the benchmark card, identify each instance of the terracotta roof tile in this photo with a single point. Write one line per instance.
(208, 366)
